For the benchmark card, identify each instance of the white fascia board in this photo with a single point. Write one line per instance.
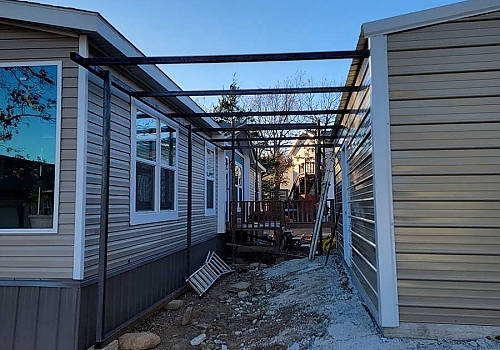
(382, 185)
(429, 17)
(49, 15)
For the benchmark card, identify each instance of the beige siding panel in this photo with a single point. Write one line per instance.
(445, 131)
(129, 244)
(452, 34)
(46, 255)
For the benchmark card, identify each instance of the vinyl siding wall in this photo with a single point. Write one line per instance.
(444, 83)
(359, 186)
(129, 244)
(46, 255)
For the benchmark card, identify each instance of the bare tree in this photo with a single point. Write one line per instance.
(276, 156)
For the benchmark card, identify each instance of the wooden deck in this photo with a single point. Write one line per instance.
(282, 215)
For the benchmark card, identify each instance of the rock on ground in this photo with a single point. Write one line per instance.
(240, 287)
(138, 341)
(188, 316)
(198, 340)
(174, 305)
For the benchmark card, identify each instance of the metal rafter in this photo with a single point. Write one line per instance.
(261, 113)
(280, 138)
(261, 146)
(256, 127)
(242, 92)
(238, 58)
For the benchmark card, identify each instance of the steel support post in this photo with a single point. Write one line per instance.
(104, 211)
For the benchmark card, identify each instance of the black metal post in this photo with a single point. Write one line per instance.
(103, 233)
(233, 194)
(317, 170)
(189, 198)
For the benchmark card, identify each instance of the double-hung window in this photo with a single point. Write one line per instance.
(154, 166)
(30, 112)
(209, 180)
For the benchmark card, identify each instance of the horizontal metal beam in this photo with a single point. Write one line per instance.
(261, 114)
(279, 138)
(257, 127)
(238, 58)
(242, 92)
(228, 148)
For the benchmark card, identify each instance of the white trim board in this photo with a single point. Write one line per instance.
(81, 164)
(57, 177)
(429, 17)
(382, 185)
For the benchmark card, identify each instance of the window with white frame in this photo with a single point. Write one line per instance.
(209, 180)
(154, 174)
(30, 105)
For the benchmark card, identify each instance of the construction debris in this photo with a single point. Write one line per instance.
(203, 278)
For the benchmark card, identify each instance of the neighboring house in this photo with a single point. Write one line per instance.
(50, 176)
(418, 174)
(301, 176)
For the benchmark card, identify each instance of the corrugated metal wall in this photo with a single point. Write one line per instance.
(128, 244)
(359, 186)
(38, 318)
(48, 255)
(444, 83)
(338, 201)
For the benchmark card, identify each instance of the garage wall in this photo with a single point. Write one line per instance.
(444, 82)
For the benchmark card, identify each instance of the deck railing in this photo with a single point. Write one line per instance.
(278, 214)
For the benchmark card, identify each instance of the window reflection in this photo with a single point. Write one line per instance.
(28, 115)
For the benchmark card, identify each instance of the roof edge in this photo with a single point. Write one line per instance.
(429, 17)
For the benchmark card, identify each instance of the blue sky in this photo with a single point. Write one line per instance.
(189, 27)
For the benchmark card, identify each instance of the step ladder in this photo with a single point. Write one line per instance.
(211, 270)
(321, 205)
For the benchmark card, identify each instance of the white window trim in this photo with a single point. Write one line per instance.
(55, 213)
(137, 218)
(210, 211)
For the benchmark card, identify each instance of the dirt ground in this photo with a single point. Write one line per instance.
(292, 305)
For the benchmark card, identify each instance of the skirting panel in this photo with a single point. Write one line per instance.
(38, 318)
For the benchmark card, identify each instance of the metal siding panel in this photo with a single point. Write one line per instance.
(68, 316)
(26, 318)
(445, 156)
(48, 319)
(360, 187)
(24, 44)
(9, 298)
